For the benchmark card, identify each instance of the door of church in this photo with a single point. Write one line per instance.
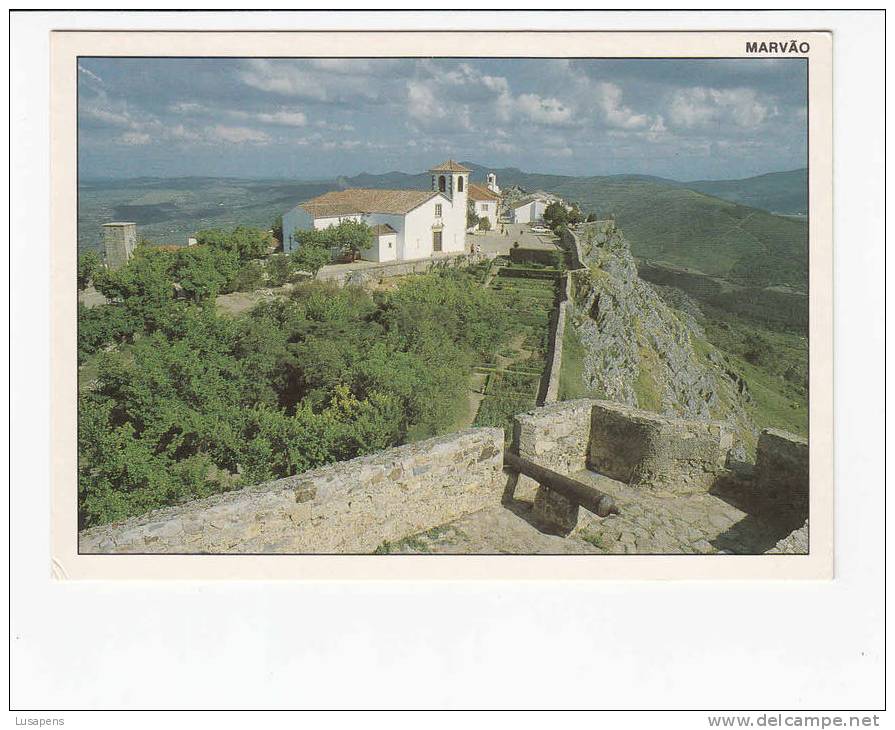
(436, 240)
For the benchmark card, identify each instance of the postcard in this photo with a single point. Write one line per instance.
(442, 305)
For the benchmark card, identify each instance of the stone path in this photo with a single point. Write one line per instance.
(650, 522)
(497, 242)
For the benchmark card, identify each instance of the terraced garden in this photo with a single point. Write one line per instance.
(512, 382)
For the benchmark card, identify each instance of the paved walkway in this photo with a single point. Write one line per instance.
(650, 522)
(497, 242)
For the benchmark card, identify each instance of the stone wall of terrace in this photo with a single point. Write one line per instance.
(348, 507)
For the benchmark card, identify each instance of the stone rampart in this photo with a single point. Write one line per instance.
(554, 353)
(348, 507)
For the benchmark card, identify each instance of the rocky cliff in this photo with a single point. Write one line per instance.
(642, 352)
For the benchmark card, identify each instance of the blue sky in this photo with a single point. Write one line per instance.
(319, 118)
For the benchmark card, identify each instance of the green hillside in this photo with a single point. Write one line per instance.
(691, 229)
(776, 192)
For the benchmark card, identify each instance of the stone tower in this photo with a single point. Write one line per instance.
(452, 179)
(120, 240)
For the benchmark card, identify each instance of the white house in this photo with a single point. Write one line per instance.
(407, 224)
(529, 209)
(485, 203)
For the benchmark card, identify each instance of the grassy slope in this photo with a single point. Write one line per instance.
(691, 229)
(777, 192)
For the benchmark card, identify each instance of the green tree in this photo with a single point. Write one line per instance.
(279, 269)
(311, 258)
(246, 243)
(484, 223)
(203, 271)
(472, 219)
(353, 235)
(145, 286)
(249, 278)
(277, 229)
(89, 264)
(555, 215)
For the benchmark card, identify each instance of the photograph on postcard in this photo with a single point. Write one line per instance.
(442, 305)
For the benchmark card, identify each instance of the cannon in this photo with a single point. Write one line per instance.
(593, 500)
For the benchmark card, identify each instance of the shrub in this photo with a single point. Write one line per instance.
(89, 264)
(279, 269)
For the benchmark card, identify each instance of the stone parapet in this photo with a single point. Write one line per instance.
(644, 448)
(556, 436)
(555, 350)
(348, 507)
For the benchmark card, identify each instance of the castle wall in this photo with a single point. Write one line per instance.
(348, 507)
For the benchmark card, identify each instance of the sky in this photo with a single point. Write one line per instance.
(321, 118)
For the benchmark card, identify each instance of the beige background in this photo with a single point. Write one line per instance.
(66, 46)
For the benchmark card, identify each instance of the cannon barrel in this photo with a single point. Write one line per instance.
(591, 499)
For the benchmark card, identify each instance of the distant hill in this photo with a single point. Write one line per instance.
(776, 192)
(687, 228)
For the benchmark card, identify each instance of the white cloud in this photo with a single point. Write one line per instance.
(283, 117)
(543, 110)
(135, 138)
(238, 135)
(433, 112)
(615, 112)
(701, 107)
(91, 76)
(281, 78)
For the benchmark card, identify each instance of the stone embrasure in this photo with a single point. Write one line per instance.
(350, 506)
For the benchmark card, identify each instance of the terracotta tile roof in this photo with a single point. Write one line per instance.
(364, 200)
(450, 166)
(480, 192)
(383, 229)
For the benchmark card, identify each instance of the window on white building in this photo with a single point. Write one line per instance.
(438, 210)
(485, 207)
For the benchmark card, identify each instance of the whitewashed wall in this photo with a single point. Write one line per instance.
(384, 248)
(487, 209)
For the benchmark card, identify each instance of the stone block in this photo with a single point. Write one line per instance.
(781, 469)
(555, 436)
(642, 448)
(555, 511)
(526, 489)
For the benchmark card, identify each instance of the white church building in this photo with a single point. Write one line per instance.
(407, 224)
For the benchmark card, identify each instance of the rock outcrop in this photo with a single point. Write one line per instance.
(642, 352)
